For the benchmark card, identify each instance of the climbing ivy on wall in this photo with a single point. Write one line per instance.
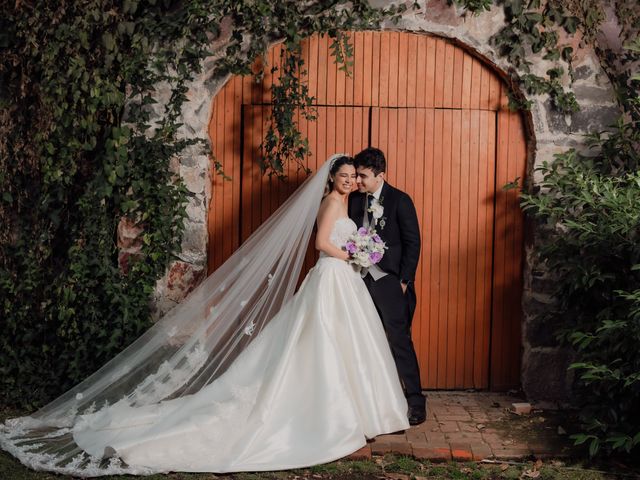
(538, 26)
(84, 143)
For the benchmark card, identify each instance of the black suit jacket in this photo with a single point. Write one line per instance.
(400, 232)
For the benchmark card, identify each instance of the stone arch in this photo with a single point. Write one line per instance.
(548, 133)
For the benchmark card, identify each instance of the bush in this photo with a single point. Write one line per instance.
(591, 206)
(82, 145)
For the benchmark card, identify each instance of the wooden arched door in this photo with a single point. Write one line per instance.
(441, 117)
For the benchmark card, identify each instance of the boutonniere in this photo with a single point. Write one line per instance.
(377, 211)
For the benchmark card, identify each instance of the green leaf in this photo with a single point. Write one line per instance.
(108, 41)
(570, 24)
(594, 447)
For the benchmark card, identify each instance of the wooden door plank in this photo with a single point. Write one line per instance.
(486, 162)
(499, 280)
(438, 280)
(332, 78)
(458, 76)
(468, 246)
(439, 67)
(384, 72)
(455, 296)
(430, 77)
(467, 65)
(476, 69)
(449, 54)
(359, 80)
(412, 69)
(429, 374)
(401, 65)
(376, 70)
(421, 71)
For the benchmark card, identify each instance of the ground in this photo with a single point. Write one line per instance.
(468, 435)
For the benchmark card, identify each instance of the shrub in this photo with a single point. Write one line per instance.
(591, 206)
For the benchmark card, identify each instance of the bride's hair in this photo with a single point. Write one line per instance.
(336, 164)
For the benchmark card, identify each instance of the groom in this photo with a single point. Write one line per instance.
(390, 282)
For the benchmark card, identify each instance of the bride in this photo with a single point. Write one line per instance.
(243, 375)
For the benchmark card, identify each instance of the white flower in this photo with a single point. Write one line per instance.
(376, 209)
(243, 303)
(269, 279)
(79, 396)
(250, 328)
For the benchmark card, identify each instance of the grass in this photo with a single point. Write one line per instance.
(390, 466)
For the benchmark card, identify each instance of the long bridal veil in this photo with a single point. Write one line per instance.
(188, 348)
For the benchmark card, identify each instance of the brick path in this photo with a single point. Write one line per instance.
(475, 426)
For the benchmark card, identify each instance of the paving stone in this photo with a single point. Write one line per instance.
(399, 448)
(481, 451)
(380, 448)
(491, 437)
(448, 427)
(436, 438)
(414, 436)
(440, 453)
(468, 427)
(393, 438)
(451, 417)
(363, 454)
(511, 453)
(464, 437)
(480, 417)
(461, 452)
(430, 426)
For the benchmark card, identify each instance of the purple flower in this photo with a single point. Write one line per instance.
(376, 238)
(375, 257)
(362, 231)
(351, 247)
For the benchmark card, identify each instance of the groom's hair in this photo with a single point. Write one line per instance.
(372, 158)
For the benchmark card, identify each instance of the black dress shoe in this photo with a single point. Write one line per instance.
(417, 415)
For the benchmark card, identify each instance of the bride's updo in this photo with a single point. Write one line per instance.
(335, 166)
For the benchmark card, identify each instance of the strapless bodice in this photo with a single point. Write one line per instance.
(342, 230)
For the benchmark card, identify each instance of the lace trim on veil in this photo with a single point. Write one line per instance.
(185, 351)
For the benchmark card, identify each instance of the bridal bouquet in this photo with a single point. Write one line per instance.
(365, 247)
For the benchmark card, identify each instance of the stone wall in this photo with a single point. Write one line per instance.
(544, 374)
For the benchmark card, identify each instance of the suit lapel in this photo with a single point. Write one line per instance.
(384, 197)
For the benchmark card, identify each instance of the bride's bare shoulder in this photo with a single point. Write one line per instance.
(329, 203)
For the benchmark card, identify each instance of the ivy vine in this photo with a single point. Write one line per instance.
(85, 142)
(283, 142)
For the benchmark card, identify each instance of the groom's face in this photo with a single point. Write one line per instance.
(367, 181)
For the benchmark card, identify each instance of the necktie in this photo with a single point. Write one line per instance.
(369, 203)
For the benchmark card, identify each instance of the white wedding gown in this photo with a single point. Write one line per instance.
(315, 383)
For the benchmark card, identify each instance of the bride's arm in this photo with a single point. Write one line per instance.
(327, 215)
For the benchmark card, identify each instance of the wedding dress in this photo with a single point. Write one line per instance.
(310, 387)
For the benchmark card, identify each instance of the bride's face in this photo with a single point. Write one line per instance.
(344, 181)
